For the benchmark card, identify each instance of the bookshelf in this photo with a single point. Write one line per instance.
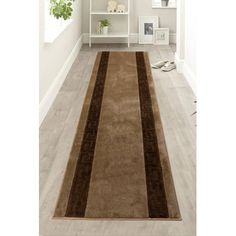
(120, 22)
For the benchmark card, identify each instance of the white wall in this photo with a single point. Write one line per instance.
(186, 44)
(138, 8)
(190, 36)
(52, 57)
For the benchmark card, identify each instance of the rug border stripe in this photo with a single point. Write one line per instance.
(157, 202)
(62, 200)
(172, 201)
(80, 187)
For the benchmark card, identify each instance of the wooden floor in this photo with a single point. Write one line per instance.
(176, 102)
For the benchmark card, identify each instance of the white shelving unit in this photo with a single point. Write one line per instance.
(113, 34)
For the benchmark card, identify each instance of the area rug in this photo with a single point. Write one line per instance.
(119, 167)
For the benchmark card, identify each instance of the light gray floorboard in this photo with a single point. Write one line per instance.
(176, 102)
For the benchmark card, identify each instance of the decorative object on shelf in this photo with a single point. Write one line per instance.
(104, 26)
(164, 3)
(121, 8)
(99, 28)
(112, 5)
(146, 28)
(161, 36)
(61, 8)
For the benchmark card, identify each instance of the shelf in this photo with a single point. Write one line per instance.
(110, 35)
(107, 13)
(120, 25)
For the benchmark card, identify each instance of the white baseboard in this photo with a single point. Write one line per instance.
(52, 92)
(190, 77)
(134, 38)
(184, 69)
(179, 63)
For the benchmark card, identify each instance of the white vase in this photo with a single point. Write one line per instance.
(105, 30)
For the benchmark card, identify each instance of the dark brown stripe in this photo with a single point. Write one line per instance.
(157, 203)
(79, 191)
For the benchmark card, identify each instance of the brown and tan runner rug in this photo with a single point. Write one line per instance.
(119, 166)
